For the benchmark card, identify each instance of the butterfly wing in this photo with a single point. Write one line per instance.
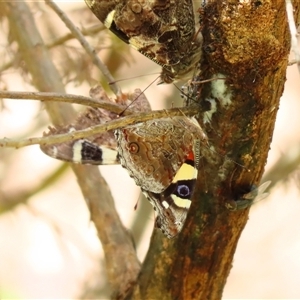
(157, 30)
(172, 205)
(96, 150)
(82, 151)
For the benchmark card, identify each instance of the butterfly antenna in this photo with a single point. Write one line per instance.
(130, 78)
(139, 95)
(182, 92)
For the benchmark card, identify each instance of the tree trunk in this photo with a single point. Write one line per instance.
(248, 44)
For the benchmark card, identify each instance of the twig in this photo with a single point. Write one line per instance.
(68, 98)
(85, 31)
(97, 129)
(88, 48)
(91, 30)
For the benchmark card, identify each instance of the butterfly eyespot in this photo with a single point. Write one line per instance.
(149, 170)
(136, 8)
(133, 148)
(183, 190)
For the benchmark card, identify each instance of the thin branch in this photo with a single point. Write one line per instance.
(88, 48)
(85, 31)
(58, 42)
(112, 125)
(68, 98)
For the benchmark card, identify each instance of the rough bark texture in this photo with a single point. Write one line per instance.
(248, 43)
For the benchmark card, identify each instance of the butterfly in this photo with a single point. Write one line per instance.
(161, 155)
(162, 30)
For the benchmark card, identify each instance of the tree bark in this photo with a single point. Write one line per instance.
(248, 44)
